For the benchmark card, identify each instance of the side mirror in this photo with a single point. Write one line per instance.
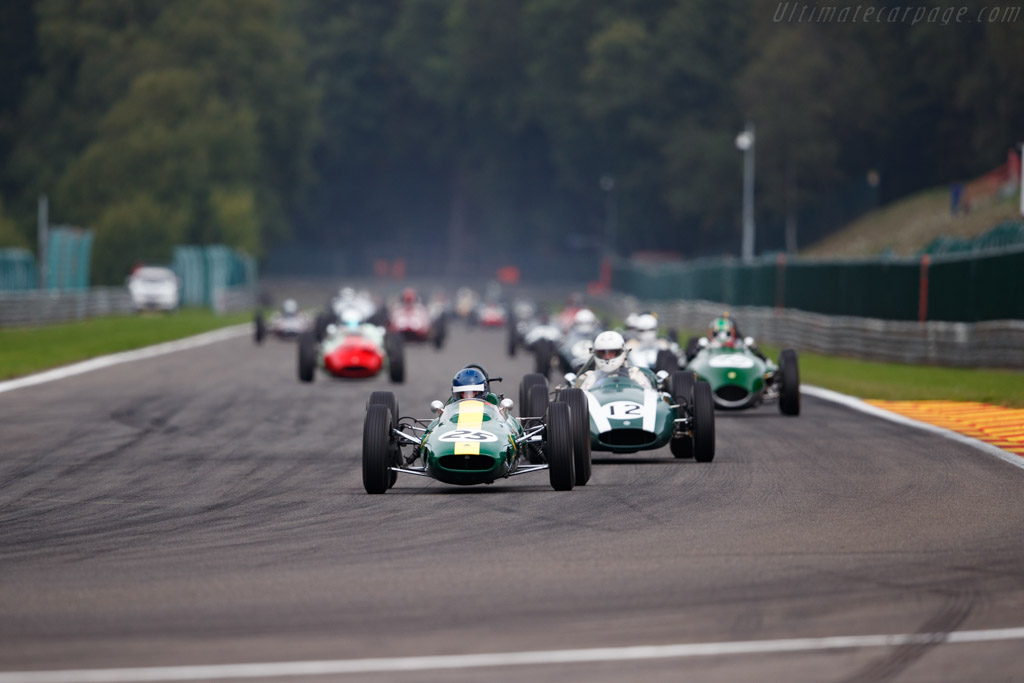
(570, 377)
(506, 404)
(662, 375)
(702, 342)
(437, 406)
(748, 341)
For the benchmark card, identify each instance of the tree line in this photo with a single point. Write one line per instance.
(479, 123)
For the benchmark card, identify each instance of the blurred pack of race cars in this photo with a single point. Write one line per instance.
(618, 388)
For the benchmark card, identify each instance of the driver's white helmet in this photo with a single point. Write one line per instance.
(290, 307)
(609, 351)
(351, 318)
(585, 318)
(647, 327)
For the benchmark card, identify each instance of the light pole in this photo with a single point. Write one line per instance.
(608, 185)
(745, 143)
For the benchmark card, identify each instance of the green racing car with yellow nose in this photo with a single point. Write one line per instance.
(472, 439)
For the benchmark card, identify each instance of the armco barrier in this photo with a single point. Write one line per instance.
(35, 307)
(996, 343)
(962, 287)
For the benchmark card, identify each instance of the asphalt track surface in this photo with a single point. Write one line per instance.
(205, 508)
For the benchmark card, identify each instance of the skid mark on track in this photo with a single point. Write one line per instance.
(932, 633)
(997, 425)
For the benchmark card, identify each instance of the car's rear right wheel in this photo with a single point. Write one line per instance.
(307, 357)
(789, 392)
(543, 350)
(377, 452)
(579, 419)
(259, 328)
(703, 423)
(558, 448)
(396, 357)
(529, 381)
(387, 399)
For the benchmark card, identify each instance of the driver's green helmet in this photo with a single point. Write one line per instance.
(722, 329)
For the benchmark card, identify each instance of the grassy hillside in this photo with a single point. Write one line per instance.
(908, 225)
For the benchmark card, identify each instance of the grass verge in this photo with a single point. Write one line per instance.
(897, 382)
(24, 350)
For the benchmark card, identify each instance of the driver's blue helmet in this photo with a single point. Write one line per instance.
(469, 383)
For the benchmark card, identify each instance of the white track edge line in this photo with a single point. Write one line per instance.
(858, 404)
(537, 657)
(109, 360)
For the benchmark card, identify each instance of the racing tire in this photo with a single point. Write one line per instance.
(259, 328)
(524, 392)
(537, 404)
(682, 387)
(692, 348)
(440, 331)
(320, 324)
(579, 419)
(683, 383)
(537, 400)
(396, 357)
(789, 392)
(703, 423)
(387, 398)
(377, 449)
(558, 447)
(542, 353)
(666, 361)
(307, 357)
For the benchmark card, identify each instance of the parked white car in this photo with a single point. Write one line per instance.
(153, 288)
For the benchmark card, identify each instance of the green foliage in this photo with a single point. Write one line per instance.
(164, 122)
(137, 229)
(10, 236)
(385, 121)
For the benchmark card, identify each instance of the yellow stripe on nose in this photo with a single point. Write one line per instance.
(470, 416)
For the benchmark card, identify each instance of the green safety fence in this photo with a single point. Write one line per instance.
(17, 270)
(205, 271)
(959, 287)
(1006, 234)
(68, 256)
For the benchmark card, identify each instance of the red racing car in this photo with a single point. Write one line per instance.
(352, 351)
